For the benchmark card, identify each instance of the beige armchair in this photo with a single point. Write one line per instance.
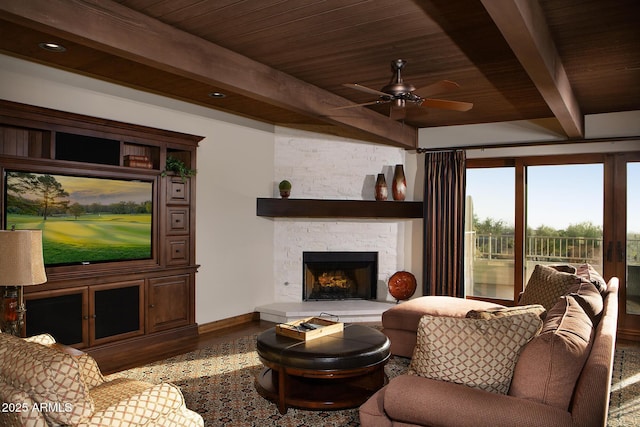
(42, 385)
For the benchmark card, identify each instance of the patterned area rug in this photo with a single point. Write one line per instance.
(624, 406)
(218, 383)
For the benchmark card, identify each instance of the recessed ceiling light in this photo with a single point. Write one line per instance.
(217, 95)
(52, 47)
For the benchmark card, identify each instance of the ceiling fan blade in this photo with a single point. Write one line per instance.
(358, 105)
(397, 113)
(361, 88)
(443, 104)
(439, 87)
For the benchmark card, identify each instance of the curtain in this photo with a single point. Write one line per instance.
(444, 197)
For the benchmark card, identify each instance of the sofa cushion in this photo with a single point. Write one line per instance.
(507, 311)
(50, 377)
(565, 268)
(19, 409)
(589, 298)
(546, 285)
(406, 315)
(550, 364)
(89, 370)
(475, 352)
(589, 273)
(125, 401)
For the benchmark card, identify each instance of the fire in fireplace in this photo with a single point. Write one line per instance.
(339, 275)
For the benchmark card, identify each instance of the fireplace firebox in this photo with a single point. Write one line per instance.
(339, 275)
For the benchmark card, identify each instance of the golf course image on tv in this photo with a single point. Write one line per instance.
(83, 219)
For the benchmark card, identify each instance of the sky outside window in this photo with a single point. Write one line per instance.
(560, 195)
(493, 193)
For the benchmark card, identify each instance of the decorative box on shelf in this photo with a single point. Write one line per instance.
(309, 328)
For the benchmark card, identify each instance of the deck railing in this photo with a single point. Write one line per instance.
(550, 248)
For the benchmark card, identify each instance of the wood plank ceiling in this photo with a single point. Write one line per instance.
(285, 61)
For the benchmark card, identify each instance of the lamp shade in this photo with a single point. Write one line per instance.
(21, 261)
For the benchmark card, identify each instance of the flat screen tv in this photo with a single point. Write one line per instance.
(84, 220)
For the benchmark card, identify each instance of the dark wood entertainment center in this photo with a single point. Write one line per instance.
(109, 308)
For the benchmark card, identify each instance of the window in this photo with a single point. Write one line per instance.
(633, 239)
(527, 211)
(561, 226)
(566, 209)
(489, 232)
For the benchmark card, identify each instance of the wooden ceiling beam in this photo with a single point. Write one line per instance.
(524, 27)
(112, 28)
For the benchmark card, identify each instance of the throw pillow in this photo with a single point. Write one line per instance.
(565, 268)
(50, 377)
(474, 352)
(507, 311)
(546, 285)
(590, 299)
(590, 274)
(550, 364)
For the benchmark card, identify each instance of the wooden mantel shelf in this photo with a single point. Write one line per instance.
(323, 208)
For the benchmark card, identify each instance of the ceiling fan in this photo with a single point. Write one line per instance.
(400, 94)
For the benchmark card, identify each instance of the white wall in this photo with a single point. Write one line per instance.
(597, 126)
(234, 167)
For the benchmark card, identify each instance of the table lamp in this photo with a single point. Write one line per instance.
(21, 264)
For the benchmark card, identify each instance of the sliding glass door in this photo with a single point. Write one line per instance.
(489, 232)
(632, 267)
(623, 248)
(554, 210)
(564, 215)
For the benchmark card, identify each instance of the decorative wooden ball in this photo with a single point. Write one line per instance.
(402, 285)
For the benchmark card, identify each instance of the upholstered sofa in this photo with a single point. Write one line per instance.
(42, 384)
(561, 376)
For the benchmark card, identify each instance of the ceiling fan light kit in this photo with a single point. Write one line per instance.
(400, 94)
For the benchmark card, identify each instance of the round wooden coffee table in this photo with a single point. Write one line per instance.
(337, 371)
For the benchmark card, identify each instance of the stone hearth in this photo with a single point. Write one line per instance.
(351, 311)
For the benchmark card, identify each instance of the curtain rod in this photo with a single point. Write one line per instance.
(527, 144)
(437, 150)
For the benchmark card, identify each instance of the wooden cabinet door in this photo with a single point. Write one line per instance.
(169, 302)
(116, 311)
(62, 313)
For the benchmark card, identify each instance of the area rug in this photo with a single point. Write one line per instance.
(624, 406)
(218, 383)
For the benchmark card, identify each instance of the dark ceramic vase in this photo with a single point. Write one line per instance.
(399, 186)
(382, 192)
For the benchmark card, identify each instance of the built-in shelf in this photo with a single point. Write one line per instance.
(321, 208)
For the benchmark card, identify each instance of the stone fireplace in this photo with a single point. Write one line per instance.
(331, 167)
(339, 275)
(326, 167)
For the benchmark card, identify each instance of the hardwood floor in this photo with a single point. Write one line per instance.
(148, 355)
(620, 343)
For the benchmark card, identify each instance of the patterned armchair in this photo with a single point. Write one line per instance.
(41, 385)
